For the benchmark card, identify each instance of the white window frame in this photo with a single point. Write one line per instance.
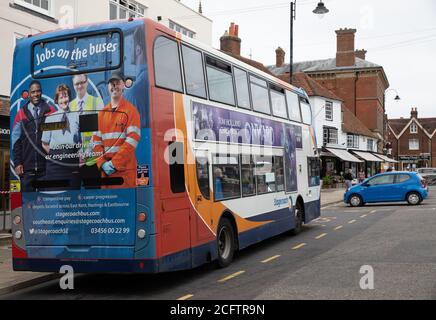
(414, 144)
(370, 144)
(329, 138)
(181, 29)
(329, 110)
(353, 141)
(136, 11)
(35, 8)
(413, 128)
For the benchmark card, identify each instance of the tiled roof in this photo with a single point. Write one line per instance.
(352, 124)
(398, 125)
(322, 65)
(312, 87)
(4, 107)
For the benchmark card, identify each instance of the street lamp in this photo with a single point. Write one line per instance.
(320, 10)
(397, 98)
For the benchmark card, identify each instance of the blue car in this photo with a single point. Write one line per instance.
(389, 187)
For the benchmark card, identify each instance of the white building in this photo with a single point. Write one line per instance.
(344, 142)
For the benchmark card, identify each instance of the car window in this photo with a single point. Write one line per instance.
(387, 179)
(401, 178)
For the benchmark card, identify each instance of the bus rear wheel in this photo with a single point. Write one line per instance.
(226, 243)
(298, 215)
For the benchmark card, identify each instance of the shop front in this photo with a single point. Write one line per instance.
(413, 162)
(372, 164)
(335, 162)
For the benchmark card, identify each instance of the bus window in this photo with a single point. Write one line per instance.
(259, 95)
(280, 173)
(265, 175)
(177, 167)
(194, 74)
(202, 164)
(293, 106)
(167, 64)
(220, 81)
(242, 92)
(226, 179)
(247, 176)
(278, 102)
(306, 113)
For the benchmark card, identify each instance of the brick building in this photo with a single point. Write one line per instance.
(361, 84)
(413, 141)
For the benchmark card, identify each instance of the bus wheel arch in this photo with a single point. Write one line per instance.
(227, 239)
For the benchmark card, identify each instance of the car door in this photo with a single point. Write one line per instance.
(379, 189)
(401, 186)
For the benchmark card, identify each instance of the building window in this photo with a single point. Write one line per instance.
(370, 145)
(353, 141)
(40, 6)
(413, 128)
(178, 28)
(413, 144)
(330, 136)
(329, 111)
(124, 9)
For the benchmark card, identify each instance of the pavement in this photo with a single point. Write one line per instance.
(11, 281)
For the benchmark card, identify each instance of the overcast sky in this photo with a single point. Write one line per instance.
(399, 35)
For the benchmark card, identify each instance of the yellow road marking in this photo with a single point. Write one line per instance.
(271, 259)
(363, 216)
(352, 221)
(299, 246)
(187, 297)
(231, 276)
(321, 236)
(339, 227)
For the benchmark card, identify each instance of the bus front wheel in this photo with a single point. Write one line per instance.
(226, 243)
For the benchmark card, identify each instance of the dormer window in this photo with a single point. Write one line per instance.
(413, 128)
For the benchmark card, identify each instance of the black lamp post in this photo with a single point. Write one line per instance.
(320, 9)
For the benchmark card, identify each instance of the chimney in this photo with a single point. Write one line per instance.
(361, 54)
(345, 55)
(280, 57)
(414, 113)
(230, 42)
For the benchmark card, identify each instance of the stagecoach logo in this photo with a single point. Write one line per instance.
(281, 202)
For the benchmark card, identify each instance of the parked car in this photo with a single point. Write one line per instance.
(426, 171)
(389, 187)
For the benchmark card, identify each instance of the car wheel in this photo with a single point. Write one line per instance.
(414, 198)
(298, 215)
(355, 201)
(226, 243)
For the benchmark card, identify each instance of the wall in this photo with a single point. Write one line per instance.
(318, 104)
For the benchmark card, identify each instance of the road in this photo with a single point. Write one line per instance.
(323, 262)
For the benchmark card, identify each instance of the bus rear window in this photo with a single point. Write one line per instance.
(79, 54)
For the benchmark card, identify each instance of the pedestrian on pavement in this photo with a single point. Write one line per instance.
(361, 176)
(348, 177)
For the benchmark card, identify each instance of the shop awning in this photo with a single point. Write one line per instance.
(344, 155)
(385, 159)
(367, 156)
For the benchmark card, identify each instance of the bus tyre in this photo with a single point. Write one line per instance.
(298, 215)
(355, 201)
(413, 198)
(226, 243)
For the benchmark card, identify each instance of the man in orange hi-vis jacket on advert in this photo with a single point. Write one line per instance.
(118, 136)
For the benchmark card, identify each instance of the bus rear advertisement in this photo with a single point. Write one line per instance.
(136, 149)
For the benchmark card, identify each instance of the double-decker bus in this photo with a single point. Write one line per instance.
(136, 149)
